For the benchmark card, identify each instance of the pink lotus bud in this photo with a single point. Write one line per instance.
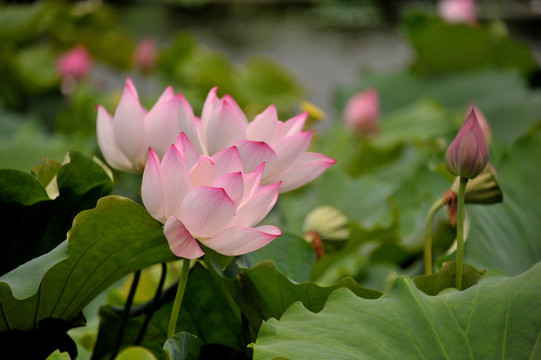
(75, 63)
(456, 11)
(362, 111)
(467, 155)
(485, 126)
(145, 55)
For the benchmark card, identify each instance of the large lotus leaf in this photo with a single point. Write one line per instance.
(105, 244)
(444, 47)
(496, 319)
(263, 292)
(298, 263)
(506, 236)
(38, 211)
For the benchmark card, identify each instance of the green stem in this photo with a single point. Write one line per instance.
(460, 232)
(178, 298)
(153, 306)
(428, 234)
(125, 314)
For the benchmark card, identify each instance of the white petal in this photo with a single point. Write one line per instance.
(152, 188)
(293, 126)
(227, 161)
(233, 184)
(265, 126)
(202, 173)
(236, 107)
(255, 208)
(162, 125)
(107, 143)
(309, 167)
(241, 240)
(181, 242)
(176, 181)
(129, 127)
(189, 124)
(206, 211)
(253, 153)
(224, 128)
(251, 183)
(186, 149)
(288, 152)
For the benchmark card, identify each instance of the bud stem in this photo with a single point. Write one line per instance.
(460, 232)
(178, 297)
(428, 234)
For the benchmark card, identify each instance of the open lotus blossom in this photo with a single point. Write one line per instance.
(281, 145)
(210, 199)
(362, 112)
(124, 138)
(467, 155)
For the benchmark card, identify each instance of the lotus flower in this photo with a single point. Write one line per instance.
(281, 145)
(145, 55)
(75, 63)
(210, 199)
(362, 112)
(124, 138)
(467, 155)
(455, 11)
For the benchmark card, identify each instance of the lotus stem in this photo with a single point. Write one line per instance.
(428, 233)
(183, 279)
(460, 232)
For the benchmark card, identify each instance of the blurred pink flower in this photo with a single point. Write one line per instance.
(75, 63)
(455, 11)
(281, 145)
(362, 112)
(145, 55)
(124, 138)
(467, 155)
(210, 199)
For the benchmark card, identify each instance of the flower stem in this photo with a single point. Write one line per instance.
(460, 232)
(178, 298)
(125, 314)
(428, 234)
(153, 306)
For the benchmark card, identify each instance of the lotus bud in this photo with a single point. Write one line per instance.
(485, 126)
(75, 63)
(362, 112)
(457, 11)
(467, 155)
(145, 55)
(327, 221)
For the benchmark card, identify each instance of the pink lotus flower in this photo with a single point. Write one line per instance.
(75, 63)
(124, 138)
(145, 55)
(210, 199)
(362, 112)
(467, 155)
(455, 11)
(281, 145)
